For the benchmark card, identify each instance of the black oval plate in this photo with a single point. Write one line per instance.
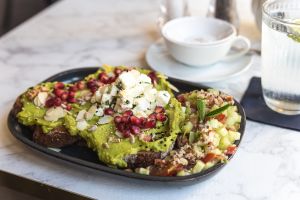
(85, 157)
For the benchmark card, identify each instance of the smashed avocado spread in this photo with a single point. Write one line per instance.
(131, 119)
(111, 148)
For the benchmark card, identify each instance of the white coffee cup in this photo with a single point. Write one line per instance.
(199, 41)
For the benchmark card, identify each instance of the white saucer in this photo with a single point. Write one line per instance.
(159, 60)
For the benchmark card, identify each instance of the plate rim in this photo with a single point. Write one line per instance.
(245, 68)
(12, 121)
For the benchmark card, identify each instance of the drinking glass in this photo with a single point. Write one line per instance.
(281, 55)
(171, 9)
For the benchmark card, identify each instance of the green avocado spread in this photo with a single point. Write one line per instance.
(110, 149)
(114, 153)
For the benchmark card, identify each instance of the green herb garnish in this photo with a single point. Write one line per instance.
(193, 137)
(294, 37)
(217, 111)
(201, 109)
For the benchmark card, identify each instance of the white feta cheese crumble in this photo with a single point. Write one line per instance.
(163, 98)
(131, 91)
(129, 79)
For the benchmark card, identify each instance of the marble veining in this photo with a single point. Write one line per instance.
(76, 33)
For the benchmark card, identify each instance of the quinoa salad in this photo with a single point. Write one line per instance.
(134, 119)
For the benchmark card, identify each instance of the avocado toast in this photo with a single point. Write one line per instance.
(128, 116)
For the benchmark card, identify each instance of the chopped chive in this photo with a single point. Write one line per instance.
(201, 109)
(217, 111)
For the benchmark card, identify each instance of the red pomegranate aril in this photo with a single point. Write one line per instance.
(64, 96)
(112, 79)
(93, 89)
(143, 121)
(80, 85)
(101, 74)
(150, 124)
(73, 88)
(104, 79)
(128, 113)
(161, 117)
(135, 120)
(71, 100)
(135, 130)
(49, 103)
(59, 85)
(58, 92)
(57, 101)
(69, 107)
(91, 83)
(153, 77)
(125, 119)
(121, 127)
(71, 94)
(117, 71)
(152, 116)
(108, 111)
(159, 109)
(126, 133)
(118, 119)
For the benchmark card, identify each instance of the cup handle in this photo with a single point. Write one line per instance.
(240, 51)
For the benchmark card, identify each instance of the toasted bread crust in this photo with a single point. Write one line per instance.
(56, 138)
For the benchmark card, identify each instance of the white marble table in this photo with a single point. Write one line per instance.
(75, 33)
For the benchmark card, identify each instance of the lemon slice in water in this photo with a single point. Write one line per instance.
(295, 35)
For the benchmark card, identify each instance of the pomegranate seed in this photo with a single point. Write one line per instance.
(58, 92)
(73, 88)
(104, 79)
(71, 94)
(80, 85)
(49, 103)
(108, 111)
(121, 127)
(135, 130)
(101, 74)
(117, 71)
(135, 120)
(150, 124)
(125, 119)
(71, 100)
(126, 133)
(91, 83)
(143, 121)
(153, 77)
(93, 89)
(128, 113)
(69, 107)
(118, 119)
(64, 96)
(159, 109)
(59, 85)
(152, 116)
(112, 79)
(161, 117)
(57, 101)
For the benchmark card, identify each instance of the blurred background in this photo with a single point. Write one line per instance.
(14, 12)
